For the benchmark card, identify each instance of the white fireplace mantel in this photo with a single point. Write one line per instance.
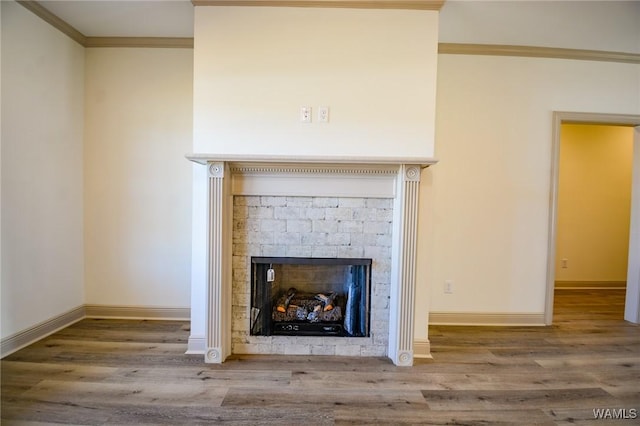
(203, 158)
(397, 178)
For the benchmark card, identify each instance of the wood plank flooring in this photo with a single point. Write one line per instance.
(120, 372)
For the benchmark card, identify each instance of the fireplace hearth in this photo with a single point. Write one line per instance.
(294, 296)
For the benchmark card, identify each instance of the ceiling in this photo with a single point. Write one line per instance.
(125, 18)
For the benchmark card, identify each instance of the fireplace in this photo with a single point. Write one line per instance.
(294, 296)
(259, 207)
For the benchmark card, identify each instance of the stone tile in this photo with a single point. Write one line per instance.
(378, 240)
(339, 213)
(311, 227)
(299, 251)
(365, 214)
(260, 212)
(251, 348)
(313, 213)
(325, 202)
(262, 237)
(325, 226)
(377, 227)
(351, 202)
(323, 350)
(339, 239)
(297, 350)
(351, 226)
(384, 214)
(299, 201)
(379, 203)
(240, 211)
(314, 239)
(246, 200)
(275, 225)
(377, 252)
(287, 212)
(273, 250)
(348, 350)
(373, 351)
(350, 251)
(289, 239)
(273, 201)
(325, 251)
(298, 225)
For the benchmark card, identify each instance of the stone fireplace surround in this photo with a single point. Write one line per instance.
(396, 179)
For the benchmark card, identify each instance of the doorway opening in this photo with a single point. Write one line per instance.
(594, 204)
(593, 229)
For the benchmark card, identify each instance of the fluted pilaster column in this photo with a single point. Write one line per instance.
(220, 211)
(405, 242)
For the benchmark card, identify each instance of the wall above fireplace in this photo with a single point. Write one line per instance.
(254, 67)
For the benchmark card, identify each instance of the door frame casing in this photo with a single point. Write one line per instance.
(633, 277)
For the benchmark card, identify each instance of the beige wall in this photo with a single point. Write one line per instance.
(594, 201)
(42, 124)
(137, 182)
(254, 68)
(566, 24)
(487, 211)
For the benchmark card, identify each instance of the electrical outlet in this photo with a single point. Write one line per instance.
(448, 287)
(323, 114)
(564, 263)
(305, 114)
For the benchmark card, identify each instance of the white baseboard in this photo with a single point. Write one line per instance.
(590, 285)
(421, 348)
(31, 335)
(196, 345)
(137, 312)
(26, 337)
(487, 319)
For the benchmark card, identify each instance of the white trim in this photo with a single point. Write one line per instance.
(196, 345)
(537, 52)
(137, 312)
(353, 4)
(301, 160)
(632, 302)
(422, 348)
(486, 319)
(39, 331)
(274, 179)
(633, 279)
(574, 285)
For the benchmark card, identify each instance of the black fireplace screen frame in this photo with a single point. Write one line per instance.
(356, 299)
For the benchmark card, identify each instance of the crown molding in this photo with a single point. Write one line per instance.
(165, 42)
(537, 52)
(44, 14)
(348, 4)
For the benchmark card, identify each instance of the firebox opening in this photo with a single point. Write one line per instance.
(310, 296)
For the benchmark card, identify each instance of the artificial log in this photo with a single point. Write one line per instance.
(283, 302)
(326, 300)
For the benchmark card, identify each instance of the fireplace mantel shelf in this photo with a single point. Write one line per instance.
(203, 158)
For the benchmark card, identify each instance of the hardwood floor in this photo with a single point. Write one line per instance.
(136, 372)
